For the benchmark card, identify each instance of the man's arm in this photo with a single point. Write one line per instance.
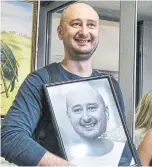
(20, 122)
(52, 160)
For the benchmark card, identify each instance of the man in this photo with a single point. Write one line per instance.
(79, 30)
(88, 115)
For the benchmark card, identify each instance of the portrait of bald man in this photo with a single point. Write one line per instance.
(88, 115)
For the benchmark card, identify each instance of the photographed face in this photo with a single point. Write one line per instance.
(87, 114)
(80, 32)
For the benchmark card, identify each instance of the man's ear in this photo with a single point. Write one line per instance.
(60, 32)
(107, 112)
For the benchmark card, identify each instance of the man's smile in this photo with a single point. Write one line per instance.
(82, 41)
(89, 126)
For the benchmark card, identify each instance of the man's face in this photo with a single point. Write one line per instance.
(80, 32)
(87, 115)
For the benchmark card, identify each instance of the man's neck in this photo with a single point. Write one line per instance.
(99, 147)
(80, 68)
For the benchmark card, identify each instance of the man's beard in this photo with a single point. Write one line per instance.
(81, 55)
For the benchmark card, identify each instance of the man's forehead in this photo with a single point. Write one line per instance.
(79, 11)
(81, 18)
(83, 103)
(83, 99)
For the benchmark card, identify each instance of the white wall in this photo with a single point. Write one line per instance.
(106, 56)
(147, 57)
(57, 49)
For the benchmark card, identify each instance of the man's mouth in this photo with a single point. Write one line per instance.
(83, 41)
(89, 125)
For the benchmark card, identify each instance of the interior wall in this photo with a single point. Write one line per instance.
(147, 57)
(106, 56)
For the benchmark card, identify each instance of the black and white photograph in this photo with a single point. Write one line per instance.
(86, 118)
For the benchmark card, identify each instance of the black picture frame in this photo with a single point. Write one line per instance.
(69, 138)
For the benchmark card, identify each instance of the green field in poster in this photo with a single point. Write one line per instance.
(20, 45)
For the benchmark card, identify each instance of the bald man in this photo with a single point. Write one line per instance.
(87, 112)
(28, 136)
(79, 31)
(88, 115)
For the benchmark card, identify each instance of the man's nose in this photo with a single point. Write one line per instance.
(83, 31)
(86, 117)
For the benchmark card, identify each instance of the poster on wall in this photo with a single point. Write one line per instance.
(17, 47)
(89, 123)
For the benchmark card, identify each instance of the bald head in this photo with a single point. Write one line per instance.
(84, 93)
(77, 9)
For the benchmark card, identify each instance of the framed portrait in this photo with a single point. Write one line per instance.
(18, 47)
(115, 74)
(89, 123)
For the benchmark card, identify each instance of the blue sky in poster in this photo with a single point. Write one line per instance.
(16, 16)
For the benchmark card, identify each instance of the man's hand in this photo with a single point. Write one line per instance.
(50, 159)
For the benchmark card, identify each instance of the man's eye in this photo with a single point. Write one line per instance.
(75, 24)
(92, 108)
(77, 110)
(91, 25)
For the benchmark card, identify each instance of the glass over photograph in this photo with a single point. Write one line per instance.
(87, 120)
